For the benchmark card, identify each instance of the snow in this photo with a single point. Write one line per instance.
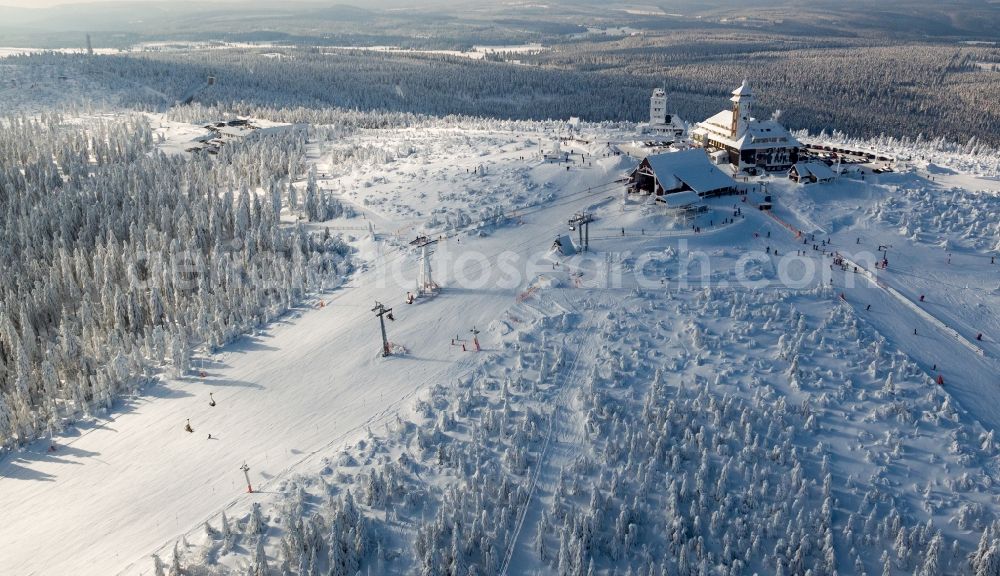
(173, 45)
(662, 359)
(682, 199)
(13, 51)
(183, 138)
(138, 479)
(476, 53)
(818, 169)
(692, 168)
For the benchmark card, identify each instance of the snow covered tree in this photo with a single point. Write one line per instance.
(175, 562)
(256, 524)
(259, 565)
(159, 568)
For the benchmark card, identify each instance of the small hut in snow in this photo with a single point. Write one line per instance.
(811, 172)
(564, 245)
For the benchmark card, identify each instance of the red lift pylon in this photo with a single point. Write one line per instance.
(475, 338)
(246, 474)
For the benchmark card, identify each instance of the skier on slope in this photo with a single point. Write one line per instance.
(211, 401)
(187, 426)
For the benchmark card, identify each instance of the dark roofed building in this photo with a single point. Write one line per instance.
(806, 172)
(672, 172)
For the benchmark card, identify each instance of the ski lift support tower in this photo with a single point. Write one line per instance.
(425, 282)
(580, 222)
(246, 474)
(382, 312)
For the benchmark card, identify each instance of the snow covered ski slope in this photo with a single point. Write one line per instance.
(670, 402)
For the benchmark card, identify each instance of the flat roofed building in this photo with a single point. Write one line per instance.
(660, 122)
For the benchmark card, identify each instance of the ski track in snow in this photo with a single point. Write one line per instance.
(312, 383)
(309, 382)
(564, 436)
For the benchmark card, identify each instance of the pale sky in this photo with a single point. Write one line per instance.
(51, 3)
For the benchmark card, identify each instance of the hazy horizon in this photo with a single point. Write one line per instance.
(43, 4)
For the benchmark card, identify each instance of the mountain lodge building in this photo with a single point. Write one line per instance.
(751, 145)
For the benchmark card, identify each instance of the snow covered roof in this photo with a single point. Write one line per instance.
(818, 169)
(723, 121)
(743, 90)
(692, 168)
(681, 199)
(760, 134)
(673, 124)
(766, 134)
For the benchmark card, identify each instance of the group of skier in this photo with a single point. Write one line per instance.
(838, 260)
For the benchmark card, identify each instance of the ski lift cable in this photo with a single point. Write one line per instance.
(399, 253)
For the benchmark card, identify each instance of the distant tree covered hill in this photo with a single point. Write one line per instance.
(902, 68)
(859, 87)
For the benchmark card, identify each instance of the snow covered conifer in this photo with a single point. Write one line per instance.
(227, 534)
(989, 564)
(338, 563)
(159, 568)
(293, 197)
(175, 562)
(256, 525)
(457, 567)
(563, 565)
(932, 558)
(984, 545)
(902, 548)
(313, 569)
(259, 566)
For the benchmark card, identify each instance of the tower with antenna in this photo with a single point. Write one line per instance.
(658, 107)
